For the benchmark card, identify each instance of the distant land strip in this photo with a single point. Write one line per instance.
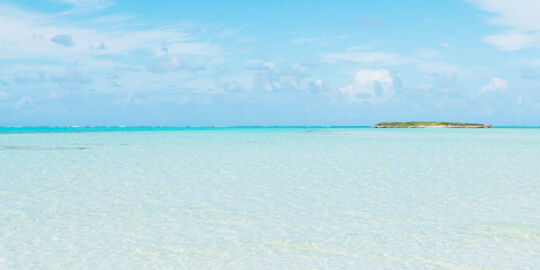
(429, 125)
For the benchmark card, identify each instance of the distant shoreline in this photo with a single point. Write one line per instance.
(430, 125)
(64, 129)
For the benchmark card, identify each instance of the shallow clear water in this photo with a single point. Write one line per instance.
(270, 198)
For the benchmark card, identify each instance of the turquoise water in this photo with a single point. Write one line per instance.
(269, 198)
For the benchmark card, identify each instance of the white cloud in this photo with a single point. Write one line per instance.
(440, 67)
(304, 40)
(261, 65)
(375, 86)
(512, 41)
(374, 58)
(270, 65)
(527, 101)
(28, 35)
(108, 52)
(53, 95)
(25, 100)
(495, 84)
(29, 78)
(227, 32)
(165, 64)
(72, 77)
(270, 76)
(520, 16)
(3, 95)
(421, 58)
(193, 48)
(93, 4)
(172, 63)
(426, 53)
(109, 19)
(534, 62)
(99, 47)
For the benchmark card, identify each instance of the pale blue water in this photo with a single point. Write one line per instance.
(270, 198)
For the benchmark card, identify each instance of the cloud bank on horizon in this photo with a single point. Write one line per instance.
(105, 62)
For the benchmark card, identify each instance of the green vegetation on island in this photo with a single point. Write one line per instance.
(429, 125)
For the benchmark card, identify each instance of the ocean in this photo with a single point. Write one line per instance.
(269, 198)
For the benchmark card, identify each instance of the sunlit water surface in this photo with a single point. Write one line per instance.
(270, 198)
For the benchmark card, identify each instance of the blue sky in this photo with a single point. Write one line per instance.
(204, 63)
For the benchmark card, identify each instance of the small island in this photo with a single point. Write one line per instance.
(429, 125)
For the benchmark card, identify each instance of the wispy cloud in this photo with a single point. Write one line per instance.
(304, 40)
(530, 73)
(88, 4)
(512, 41)
(494, 85)
(72, 77)
(4, 95)
(373, 58)
(519, 16)
(29, 78)
(368, 21)
(29, 38)
(41, 48)
(24, 101)
(169, 63)
(423, 59)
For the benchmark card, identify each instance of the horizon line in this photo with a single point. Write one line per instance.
(234, 126)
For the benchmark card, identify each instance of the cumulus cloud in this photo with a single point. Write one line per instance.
(112, 54)
(273, 76)
(495, 84)
(64, 40)
(375, 86)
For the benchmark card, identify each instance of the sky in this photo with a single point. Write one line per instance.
(266, 63)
